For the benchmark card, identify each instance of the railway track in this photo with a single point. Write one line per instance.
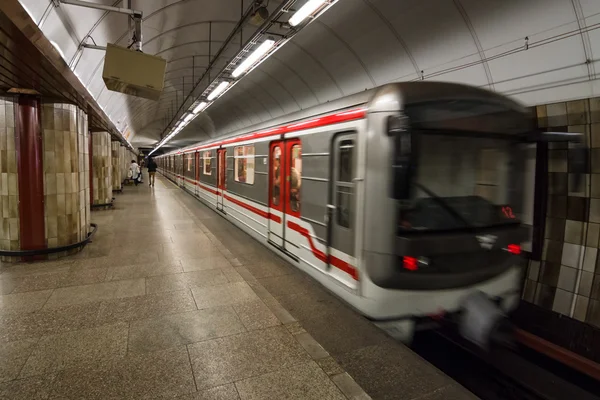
(503, 373)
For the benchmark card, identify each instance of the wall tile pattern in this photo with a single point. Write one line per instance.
(567, 280)
(116, 166)
(102, 167)
(66, 174)
(9, 189)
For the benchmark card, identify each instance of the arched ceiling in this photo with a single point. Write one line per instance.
(537, 51)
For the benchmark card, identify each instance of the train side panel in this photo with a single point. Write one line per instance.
(245, 200)
(206, 187)
(189, 172)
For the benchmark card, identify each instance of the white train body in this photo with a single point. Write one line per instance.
(329, 190)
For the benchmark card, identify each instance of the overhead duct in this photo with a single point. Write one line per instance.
(133, 72)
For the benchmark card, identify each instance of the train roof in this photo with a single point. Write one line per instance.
(389, 97)
(422, 92)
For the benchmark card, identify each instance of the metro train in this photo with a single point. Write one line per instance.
(402, 200)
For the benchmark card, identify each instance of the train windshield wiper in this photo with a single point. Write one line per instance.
(444, 204)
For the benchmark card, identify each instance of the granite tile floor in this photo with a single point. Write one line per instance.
(172, 301)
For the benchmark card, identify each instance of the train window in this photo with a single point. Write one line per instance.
(189, 162)
(346, 155)
(276, 172)
(244, 164)
(344, 206)
(207, 163)
(344, 184)
(295, 177)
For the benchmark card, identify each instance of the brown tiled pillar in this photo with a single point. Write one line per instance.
(66, 183)
(90, 161)
(44, 189)
(30, 173)
(117, 180)
(123, 162)
(9, 189)
(101, 168)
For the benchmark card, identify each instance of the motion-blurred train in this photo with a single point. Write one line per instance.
(403, 200)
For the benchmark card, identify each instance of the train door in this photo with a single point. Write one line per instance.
(181, 167)
(276, 214)
(292, 182)
(285, 170)
(221, 178)
(197, 174)
(341, 221)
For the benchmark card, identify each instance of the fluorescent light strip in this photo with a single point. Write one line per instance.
(307, 9)
(200, 107)
(252, 58)
(218, 90)
(188, 118)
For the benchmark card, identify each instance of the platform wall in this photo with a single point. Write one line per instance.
(567, 279)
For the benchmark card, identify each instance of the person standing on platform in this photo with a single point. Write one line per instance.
(151, 170)
(136, 172)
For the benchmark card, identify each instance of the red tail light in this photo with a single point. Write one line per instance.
(410, 263)
(514, 249)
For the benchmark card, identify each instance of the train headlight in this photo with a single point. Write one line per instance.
(414, 263)
(513, 249)
(410, 263)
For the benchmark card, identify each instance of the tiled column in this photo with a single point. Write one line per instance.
(122, 160)
(9, 191)
(66, 183)
(102, 168)
(30, 171)
(567, 280)
(83, 135)
(116, 166)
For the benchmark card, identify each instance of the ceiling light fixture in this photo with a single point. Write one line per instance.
(188, 118)
(254, 57)
(218, 90)
(200, 107)
(248, 60)
(307, 9)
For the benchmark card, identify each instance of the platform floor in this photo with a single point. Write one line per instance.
(172, 301)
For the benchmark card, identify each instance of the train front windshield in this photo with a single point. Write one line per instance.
(462, 166)
(459, 182)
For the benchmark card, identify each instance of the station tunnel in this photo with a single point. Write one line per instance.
(320, 199)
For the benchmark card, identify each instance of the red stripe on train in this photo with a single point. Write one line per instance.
(344, 266)
(336, 262)
(264, 214)
(345, 116)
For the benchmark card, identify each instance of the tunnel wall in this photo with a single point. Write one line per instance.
(9, 190)
(568, 269)
(66, 178)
